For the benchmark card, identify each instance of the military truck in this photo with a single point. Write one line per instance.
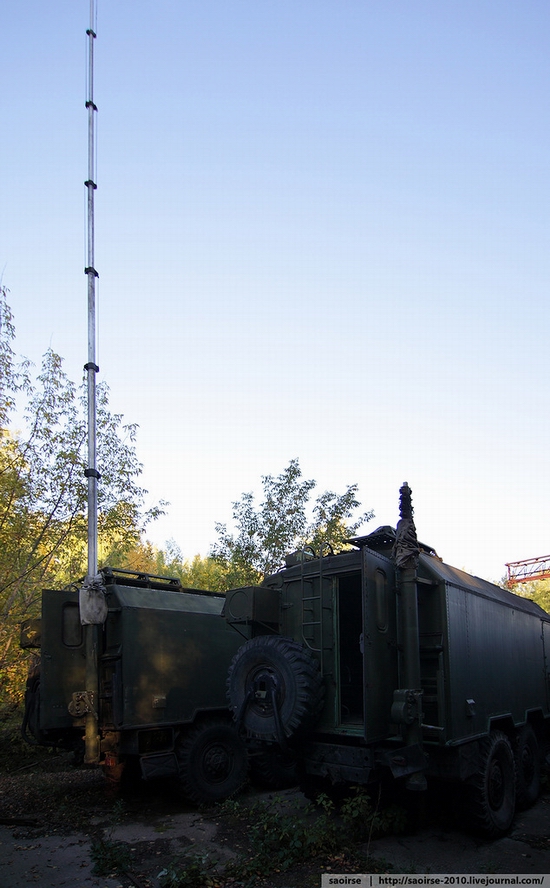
(162, 659)
(383, 663)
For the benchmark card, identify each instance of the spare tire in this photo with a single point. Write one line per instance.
(270, 669)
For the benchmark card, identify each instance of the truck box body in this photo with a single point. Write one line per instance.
(164, 656)
(482, 648)
(482, 652)
(364, 629)
(161, 660)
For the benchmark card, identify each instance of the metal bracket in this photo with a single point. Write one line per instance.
(263, 688)
(406, 707)
(81, 704)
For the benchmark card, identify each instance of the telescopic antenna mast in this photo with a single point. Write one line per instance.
(91, 735)
(91, 273)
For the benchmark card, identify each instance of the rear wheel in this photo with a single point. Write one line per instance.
(491, 793)
(213, 761)
(527, 756)
(30, 728)
(274, 768)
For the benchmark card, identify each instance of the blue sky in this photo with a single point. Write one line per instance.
(321, 232)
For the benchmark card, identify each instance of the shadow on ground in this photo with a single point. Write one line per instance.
(59, 825)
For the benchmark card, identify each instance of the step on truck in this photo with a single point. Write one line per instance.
(160, 709)
(384, 663)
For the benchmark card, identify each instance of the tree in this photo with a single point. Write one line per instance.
(265, 534)
(194, 573)
(537, 590)
(43, 490)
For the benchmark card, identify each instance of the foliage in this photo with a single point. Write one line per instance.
(109, 857)
(194, 573)
(364, 821)
(43, 490)
(14, 377)
(537, 590)
(193, 870)
(279, 525)
(280, 840)
(15, 754)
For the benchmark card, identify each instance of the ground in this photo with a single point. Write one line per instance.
(61, 827)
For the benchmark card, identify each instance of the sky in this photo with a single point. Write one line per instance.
(321, 232)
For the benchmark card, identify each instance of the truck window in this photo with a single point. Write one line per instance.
(71, 629)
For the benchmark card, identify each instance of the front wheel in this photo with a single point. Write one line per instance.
(213, 761)
(491, 793)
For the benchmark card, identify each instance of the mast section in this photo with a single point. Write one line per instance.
(91, 367)
(91, 736)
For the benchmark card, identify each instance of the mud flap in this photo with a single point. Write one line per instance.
(163, 764)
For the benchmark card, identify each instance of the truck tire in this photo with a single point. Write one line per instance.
(527, 756)
(30, 729)
(213, 761)
(491, 793)
(272, 662)
(274, 769)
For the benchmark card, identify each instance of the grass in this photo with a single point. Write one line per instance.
(277, 839)
(15, 754)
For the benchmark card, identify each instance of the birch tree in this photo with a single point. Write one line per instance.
(264, 534)
(43, 490)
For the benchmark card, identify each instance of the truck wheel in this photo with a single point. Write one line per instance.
(270, 667)
(491, 794)
(527, 756)
(30, 729)
(213, 761)
(274, 769)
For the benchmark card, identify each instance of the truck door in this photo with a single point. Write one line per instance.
(63, 664)
(379, 643)
(350, 649)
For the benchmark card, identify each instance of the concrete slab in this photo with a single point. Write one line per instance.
(48, 862)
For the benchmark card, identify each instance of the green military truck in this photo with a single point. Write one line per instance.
(162, 660)
(385, 662)
(380, 662)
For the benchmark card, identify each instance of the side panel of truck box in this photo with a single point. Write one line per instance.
(63, 665)
(493, 654)
(175, 650)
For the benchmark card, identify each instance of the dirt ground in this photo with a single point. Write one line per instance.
(60, 828)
